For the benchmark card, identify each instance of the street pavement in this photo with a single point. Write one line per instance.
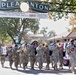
(7, 71)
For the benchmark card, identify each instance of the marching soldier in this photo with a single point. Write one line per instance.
(24, 57)
(60, 55)
(10, 56)
(55, 56)
(72, 55)
(32, 56)
(3, 54)
(47, 56)
(16, 56)
(40, 55)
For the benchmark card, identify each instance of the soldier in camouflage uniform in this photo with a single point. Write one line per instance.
(3, 54)
(40, 55)
(32, 56)
(55, 56)
(2, 60)
(72, 55)
(10, 56)
(16, 56)
(60, 55)
(47, 56)
(24, 57)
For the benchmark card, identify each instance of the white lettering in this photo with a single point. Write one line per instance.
(46, 8)
(41, 7)
(8, 5)
(17, 4)
(12, 4)
(3, 4)
(36, 5)
(32, 4)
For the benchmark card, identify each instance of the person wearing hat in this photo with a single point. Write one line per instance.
(47, 56)
(55, 56)
(10, 56)
(16, 52)
(32, 56)
(40, 55)
(3, 54)
(72, 55)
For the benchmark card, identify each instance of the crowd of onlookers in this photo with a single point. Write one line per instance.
(56, 53)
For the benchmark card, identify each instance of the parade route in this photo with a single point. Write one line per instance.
(7, 71)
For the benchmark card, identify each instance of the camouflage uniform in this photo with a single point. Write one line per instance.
(55, 55)
(47, 56)
(60, 55)
(40, 55)
(75, 45)
(60, 58)
(24, 57)
(32, 56)
(10, 56)
(20, 56)
(16, 56)
(72, 56)
(2, 60)
(3, 53)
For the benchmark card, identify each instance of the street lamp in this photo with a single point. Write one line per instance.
(24, 7)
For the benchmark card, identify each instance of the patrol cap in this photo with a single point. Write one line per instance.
(9, 46)
(71, 40)
(16, 45)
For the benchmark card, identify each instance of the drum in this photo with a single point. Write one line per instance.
(65, 61)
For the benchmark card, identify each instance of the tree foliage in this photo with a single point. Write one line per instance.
(72, 21)
(60, 8)
(44, 31)
(52, 33)
(17, 27)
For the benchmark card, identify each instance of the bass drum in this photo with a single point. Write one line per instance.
(66, 62)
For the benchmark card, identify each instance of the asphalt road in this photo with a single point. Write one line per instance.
(7, 71)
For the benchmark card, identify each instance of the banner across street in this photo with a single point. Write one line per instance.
(23, 15)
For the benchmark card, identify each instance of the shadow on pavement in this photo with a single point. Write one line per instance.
(45, 71)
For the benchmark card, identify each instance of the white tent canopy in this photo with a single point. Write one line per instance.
(65, 35)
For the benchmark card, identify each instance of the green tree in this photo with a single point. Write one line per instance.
(44, 31)
(60, 8)
(52, 33)
(72, 22)
(3, 37)
(17, 27)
